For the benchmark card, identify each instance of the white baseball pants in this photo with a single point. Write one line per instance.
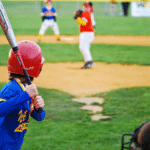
(49, 23)
(85, 40)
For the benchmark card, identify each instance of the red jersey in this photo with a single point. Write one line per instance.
(86, 16)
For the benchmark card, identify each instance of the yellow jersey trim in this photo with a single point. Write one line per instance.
(2, 100)
(21, 85)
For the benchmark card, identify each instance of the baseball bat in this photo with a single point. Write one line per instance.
(9, 33)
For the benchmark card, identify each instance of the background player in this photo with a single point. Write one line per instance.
(15, 97)
(86, 34)
(49, 14)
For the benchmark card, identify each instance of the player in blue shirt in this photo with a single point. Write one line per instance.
(19, 100)
(49, 14)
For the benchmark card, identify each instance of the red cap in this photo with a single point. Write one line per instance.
(86, 4)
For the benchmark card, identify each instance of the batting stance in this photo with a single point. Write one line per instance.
(18, 100)
(49, 14)
(86, 33)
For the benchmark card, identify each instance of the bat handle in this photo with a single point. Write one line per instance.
(29, 82)
(27, 76)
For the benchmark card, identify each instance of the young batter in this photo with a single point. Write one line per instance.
(86, 35)
(15, 97)
(49, 13)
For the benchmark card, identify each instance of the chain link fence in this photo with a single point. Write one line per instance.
(63, 8)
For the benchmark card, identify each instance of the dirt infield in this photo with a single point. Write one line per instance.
(103, 77)
(73, 39)
(70, 78)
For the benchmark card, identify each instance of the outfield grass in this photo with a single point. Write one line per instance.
(67, 127)
(101, 53)
(25, 19)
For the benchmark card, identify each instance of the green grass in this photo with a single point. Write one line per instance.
(67, 127)
(100, 52)
(25, 19)
(127, 104)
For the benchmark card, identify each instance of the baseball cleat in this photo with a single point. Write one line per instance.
(58, 39)
(88, 65)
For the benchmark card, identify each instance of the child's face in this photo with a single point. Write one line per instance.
(86, 8)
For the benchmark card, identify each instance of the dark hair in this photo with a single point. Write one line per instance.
(144, 136)
(90, 3)
(13, 76)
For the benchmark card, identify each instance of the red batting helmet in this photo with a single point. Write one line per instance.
(32, 57)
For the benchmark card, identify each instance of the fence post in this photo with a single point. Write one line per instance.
(106, 7)
(36, 6)
(78, 5)
(120, 10)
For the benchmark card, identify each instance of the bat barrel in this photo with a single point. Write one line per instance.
(6, 27)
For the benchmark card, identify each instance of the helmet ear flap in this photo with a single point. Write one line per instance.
(43, 60)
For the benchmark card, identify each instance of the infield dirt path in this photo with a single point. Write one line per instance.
(73, 39)
(68, 77)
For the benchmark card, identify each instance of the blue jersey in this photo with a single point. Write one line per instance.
(44, 10)
(15, 107)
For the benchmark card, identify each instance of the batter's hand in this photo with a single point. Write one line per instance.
(38, 102)
(32, 90)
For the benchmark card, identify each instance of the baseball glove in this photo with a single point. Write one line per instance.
(77, 14)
